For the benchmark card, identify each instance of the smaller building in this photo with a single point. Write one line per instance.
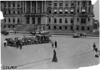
(95, 24)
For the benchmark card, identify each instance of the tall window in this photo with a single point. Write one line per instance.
(39, 20)
(55, 4)
(89, 2)
(88, 19)
(78, 10)
(33, 20)
(13, 12)
(9, 12)
(66, 11)
(72, 10)
(5, 20)
(71, 20)
(49, 20)
(61, 3)
(18, 5)
(65, 20)
(60, 21)
(13, 4)
(4, 26)
(9, 4)
(18, 12)
(5, 5)
(18, 20)
(71, 27)
(88, 28)
(27, 20)
(13, 20)
(78, 2)
(83, 20)
(49, 10)
(55, 11)
(60, 27)
(89, 9)
(55, 20)
(5, 12)
(72, 4)
(9, 19)
(49, 27)
(65, 27)
(77, 28)
(54, 27)
(8, 26)
(77, 19)
(82, 28)
(60, 11)
(13, 26)
(66, 4)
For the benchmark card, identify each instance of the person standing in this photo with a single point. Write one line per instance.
(54, 57)
(55, 44)
(5, 43)
(94, 47)
(52, 43)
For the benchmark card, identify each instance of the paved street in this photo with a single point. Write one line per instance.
(71, 53)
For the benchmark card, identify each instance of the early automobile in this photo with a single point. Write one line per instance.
(76, 35)
(4, 32)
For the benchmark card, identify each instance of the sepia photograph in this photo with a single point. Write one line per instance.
(49, 34)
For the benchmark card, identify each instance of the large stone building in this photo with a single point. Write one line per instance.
(67, 15)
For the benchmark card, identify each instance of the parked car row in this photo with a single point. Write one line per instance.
(78, 35)
(38, 39)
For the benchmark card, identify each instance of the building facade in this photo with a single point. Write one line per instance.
(70, 15)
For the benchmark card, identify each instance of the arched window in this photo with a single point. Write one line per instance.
(49, 10)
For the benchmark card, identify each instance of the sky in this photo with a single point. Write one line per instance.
(96, 10)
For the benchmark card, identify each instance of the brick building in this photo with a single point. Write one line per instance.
(51, 15)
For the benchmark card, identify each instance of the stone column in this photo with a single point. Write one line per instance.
(45, 6)
(36, 6)
(35, 20)
(42, 6)
(25, 6)
(30, 20)
(30, 6)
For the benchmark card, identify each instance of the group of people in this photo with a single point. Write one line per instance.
(96, 50)
(13, 42)
(19, 42)
(54, 45)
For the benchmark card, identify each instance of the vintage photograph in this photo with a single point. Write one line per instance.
(49, 34)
